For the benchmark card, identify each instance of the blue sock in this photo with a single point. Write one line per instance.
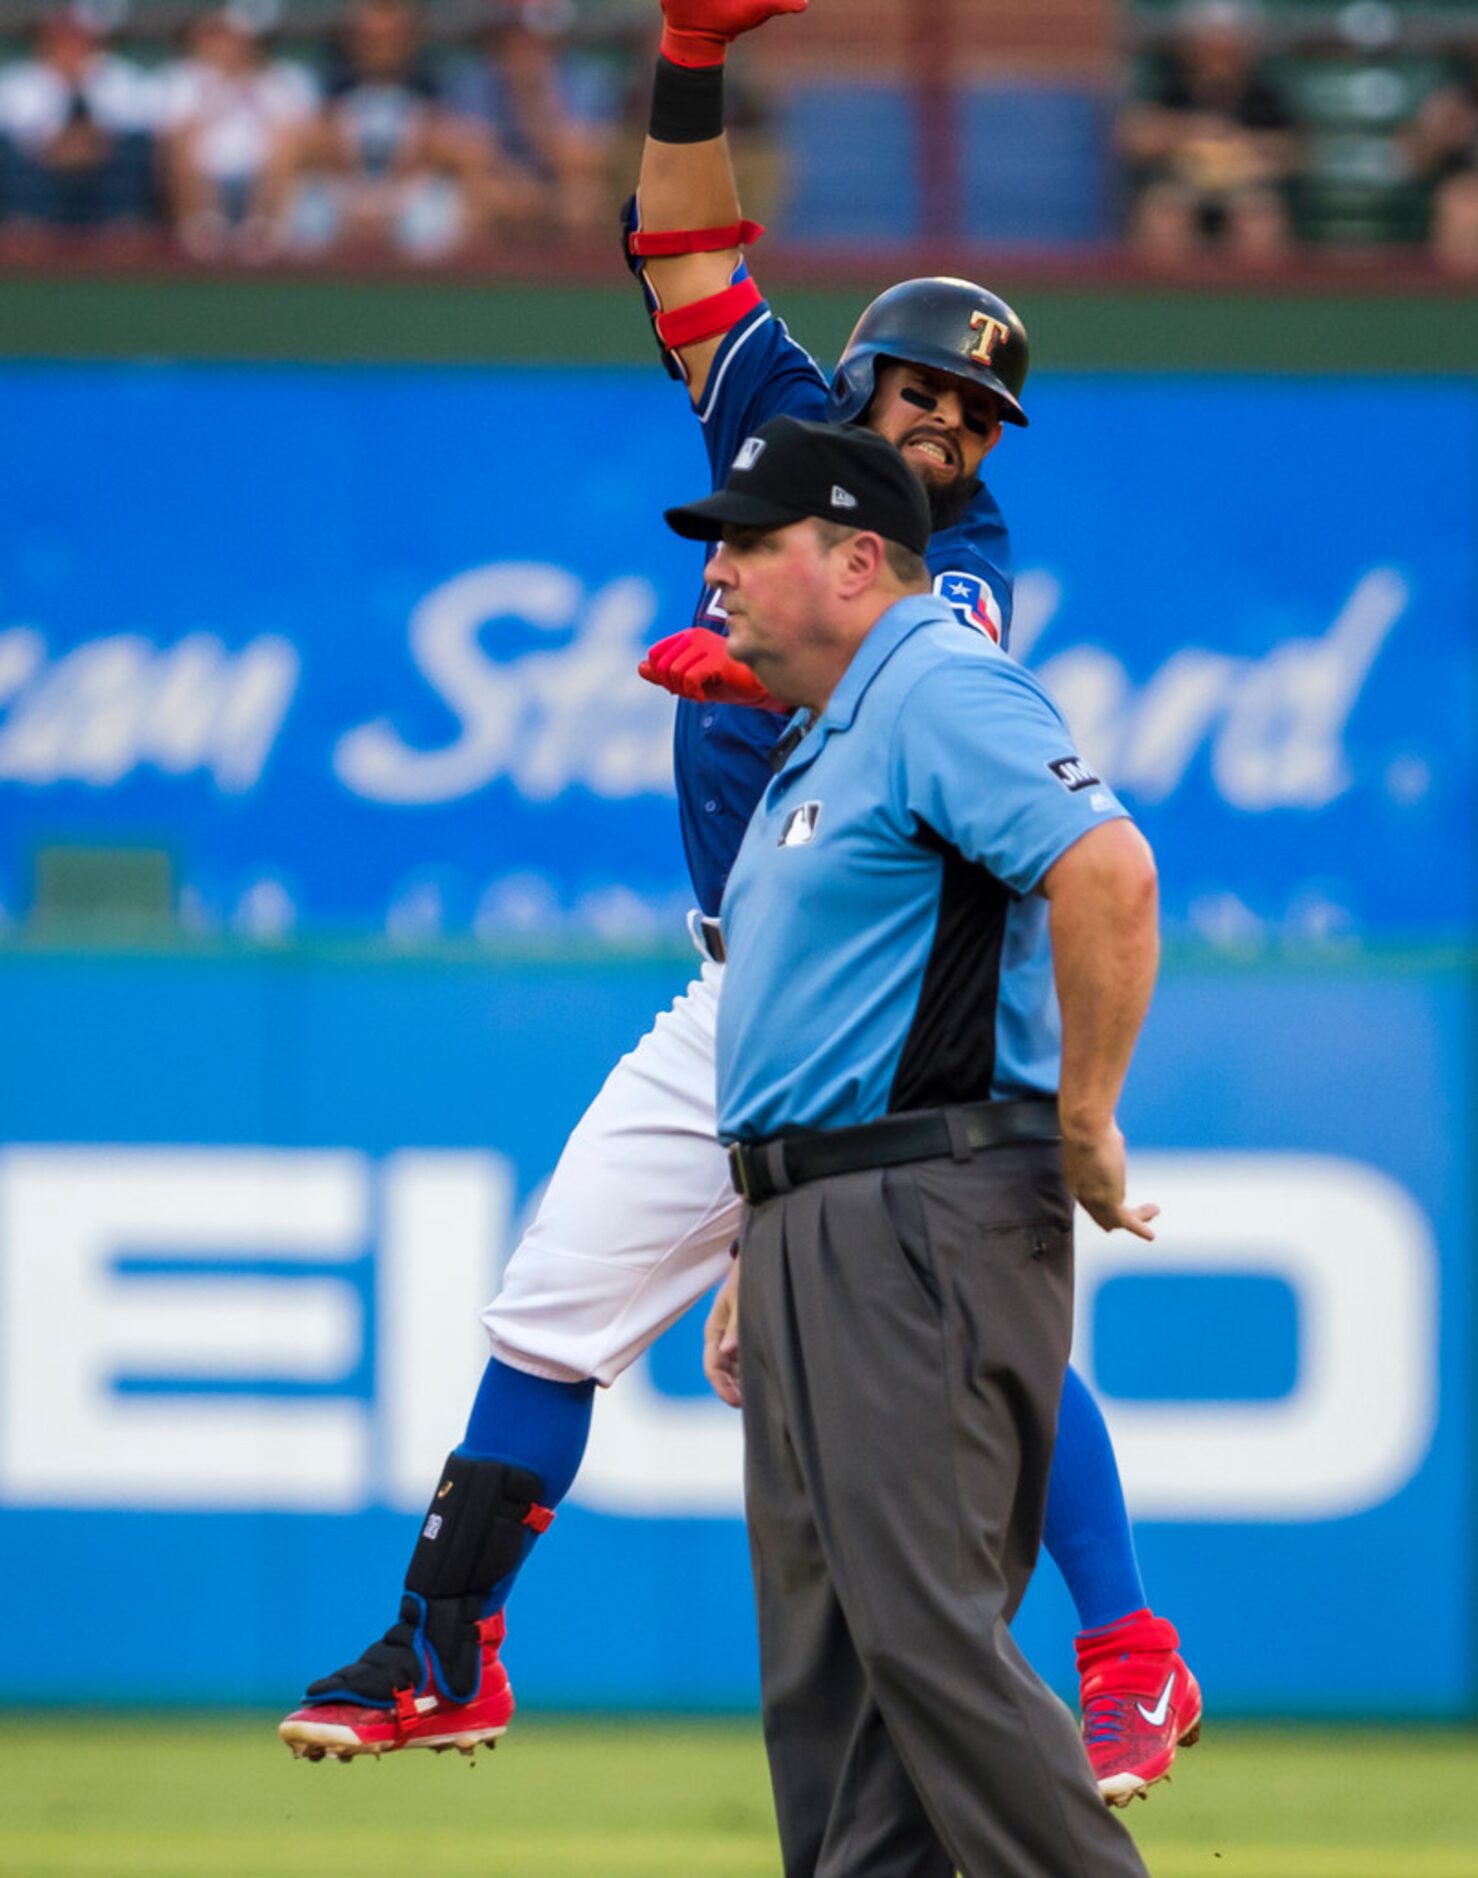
(529, 1422)
(1087, 1530)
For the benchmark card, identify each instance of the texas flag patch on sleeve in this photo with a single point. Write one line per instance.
(972, 599)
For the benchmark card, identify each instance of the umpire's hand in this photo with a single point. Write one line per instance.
(721, 1342)
(1093, 1167)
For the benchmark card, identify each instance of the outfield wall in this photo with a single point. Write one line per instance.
(249, 1206)
(321, 643)
(355, 647)
(1115, 318)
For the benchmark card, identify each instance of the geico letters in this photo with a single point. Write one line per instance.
(181, 1327)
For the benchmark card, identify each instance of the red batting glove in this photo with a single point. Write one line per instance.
(700, 32)
(696, 665)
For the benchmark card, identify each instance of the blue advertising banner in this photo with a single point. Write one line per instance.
(357, 646)
(249, 1206)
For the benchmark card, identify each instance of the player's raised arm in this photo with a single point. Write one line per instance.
(688, 230)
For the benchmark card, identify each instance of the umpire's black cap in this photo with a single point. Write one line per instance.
(790, 469)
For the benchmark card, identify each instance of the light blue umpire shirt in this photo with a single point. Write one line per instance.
(886, 950)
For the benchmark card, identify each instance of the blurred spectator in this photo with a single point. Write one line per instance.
(76, 148)
(1443, 144)
(1211, 142)
(383, 162)
(549, 110)
(225, 112)
(755, 144)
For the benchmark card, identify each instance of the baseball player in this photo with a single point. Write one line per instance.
(639, 1216)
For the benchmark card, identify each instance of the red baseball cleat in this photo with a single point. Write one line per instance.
(1140, 1703)
(428, 1719)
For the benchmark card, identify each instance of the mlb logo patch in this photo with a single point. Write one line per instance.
(750, 452)
(800, 825)
(973, 601)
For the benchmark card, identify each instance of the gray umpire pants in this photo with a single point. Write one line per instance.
(904, 1335)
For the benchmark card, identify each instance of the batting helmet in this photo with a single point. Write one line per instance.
(952, 325)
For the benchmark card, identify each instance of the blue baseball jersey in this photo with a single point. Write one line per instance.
(886, 948)
(721, 752)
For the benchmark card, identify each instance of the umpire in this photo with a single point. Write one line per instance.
(931, 855)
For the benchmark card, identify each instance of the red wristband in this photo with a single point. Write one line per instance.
(704, 319)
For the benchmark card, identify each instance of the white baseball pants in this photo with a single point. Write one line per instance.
(638, 1217)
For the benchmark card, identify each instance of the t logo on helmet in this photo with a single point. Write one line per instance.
(992, 332)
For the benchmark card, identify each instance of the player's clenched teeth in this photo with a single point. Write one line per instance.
(932, 449)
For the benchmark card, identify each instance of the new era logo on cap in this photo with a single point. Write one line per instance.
(750, 452)
(842, 498)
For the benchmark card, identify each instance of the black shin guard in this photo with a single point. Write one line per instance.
(475, 1528)
(473, 1536)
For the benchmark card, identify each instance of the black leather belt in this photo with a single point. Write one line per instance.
(761, 1169)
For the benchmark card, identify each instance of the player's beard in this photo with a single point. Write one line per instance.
(949, 501)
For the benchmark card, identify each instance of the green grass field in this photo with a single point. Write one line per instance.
(135, 1798)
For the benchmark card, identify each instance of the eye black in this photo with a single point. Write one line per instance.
(974, 422)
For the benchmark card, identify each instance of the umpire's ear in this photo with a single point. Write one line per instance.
(861, 562)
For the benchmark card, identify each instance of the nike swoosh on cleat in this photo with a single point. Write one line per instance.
(1156, 1715)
